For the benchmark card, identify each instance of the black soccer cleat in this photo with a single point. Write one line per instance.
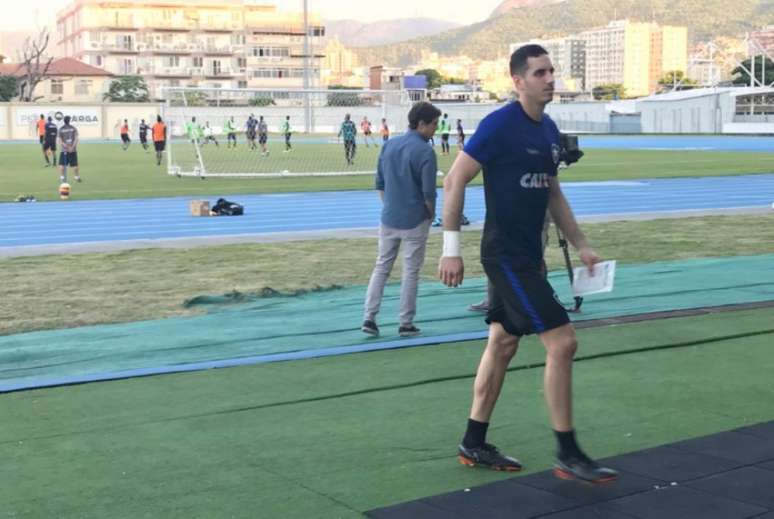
(585, 469)
(487, 456)
(408, 331)
(370, 328)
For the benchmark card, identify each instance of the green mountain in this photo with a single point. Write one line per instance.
(705, 19)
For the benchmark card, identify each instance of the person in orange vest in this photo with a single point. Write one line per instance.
(41, 125)
(125, 139)
(159, 134)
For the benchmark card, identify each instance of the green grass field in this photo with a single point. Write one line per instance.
(154, 283)
(109, 172)
(334, 437)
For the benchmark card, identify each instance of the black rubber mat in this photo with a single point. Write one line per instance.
(728, 475)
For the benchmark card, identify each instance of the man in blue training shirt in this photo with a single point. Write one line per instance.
(517, 147)
(405, 179)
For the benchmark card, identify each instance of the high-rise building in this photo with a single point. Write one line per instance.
(207, 43)
(568, 56)
(634, 54)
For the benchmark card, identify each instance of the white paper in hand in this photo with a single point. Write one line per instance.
(601, 281)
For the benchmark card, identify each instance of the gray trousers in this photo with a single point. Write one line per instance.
(414, 243)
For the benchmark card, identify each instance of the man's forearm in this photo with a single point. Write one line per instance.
(453, 201)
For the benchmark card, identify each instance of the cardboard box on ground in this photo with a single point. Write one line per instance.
(200, 208)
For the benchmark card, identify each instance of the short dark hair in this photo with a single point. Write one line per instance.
(158, 118)
(67, 119)
(424, 112)
(520, 56)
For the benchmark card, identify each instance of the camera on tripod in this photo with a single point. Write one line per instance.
(569, 152)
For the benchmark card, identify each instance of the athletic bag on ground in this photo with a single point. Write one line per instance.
(225, 208)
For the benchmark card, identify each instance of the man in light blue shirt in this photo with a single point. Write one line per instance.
(405, 179)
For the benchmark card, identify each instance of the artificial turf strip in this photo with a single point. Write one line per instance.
(257, 442)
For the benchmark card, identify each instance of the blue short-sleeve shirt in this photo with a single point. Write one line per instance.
(518, 156)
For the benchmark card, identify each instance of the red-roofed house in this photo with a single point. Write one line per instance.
(67, 81)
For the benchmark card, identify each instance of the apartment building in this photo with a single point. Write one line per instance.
(206, 43)
(634, 54)
(568, 55)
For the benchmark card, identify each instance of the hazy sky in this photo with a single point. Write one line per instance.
(42, 12)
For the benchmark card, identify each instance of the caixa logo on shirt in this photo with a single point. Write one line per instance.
(535, 180)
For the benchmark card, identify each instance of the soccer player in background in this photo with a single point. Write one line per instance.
(286, 130)
(68, 155)
(250, 126)
(444, 128)
(460, 135)
(263, 136)
(125, 139)
(348, 131)
(194, 131)
(143, 130)
(230, 128)
(365, 125)
(49, 141)
(159, 135)
(41, 127)
(518, 148)
(209, 135)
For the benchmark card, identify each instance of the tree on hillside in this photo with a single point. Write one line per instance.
(609, 92)
(8, 88)
(127, 89)
(34, 65)
(742, 72)
(676, 80)
(434, 78)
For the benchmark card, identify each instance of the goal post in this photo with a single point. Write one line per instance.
(201, 141)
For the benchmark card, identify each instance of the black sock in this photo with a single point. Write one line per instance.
(568, 447)
(475, 435)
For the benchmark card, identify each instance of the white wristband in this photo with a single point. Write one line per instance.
(451, 244)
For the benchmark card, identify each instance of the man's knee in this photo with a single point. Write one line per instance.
(561, 343)
(502, 344)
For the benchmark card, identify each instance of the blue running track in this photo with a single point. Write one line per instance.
(83, 222)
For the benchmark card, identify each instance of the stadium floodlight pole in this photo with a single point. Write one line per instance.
(307, 61)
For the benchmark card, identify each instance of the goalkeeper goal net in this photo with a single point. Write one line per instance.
(274, 133)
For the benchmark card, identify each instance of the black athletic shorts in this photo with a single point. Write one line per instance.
(523, 301)
(68, 158)
(125, 137)
(231, 136)
(42, 138)
(49, 145)
(159, 145)
(143, 138)
(250, 135)
(263, 138)
(445, 137)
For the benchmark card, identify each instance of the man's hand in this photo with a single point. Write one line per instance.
(589, 258)
(451, 270)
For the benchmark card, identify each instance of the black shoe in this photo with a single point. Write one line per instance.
(487, 456)
(370, 328)
(409, 331)
(584, 469)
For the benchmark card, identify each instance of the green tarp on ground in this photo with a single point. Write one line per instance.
(319, 321)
